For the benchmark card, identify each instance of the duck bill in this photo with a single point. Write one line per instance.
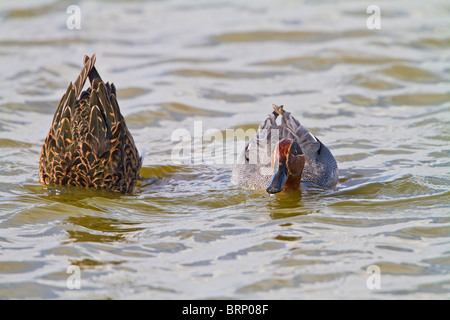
(279, 180)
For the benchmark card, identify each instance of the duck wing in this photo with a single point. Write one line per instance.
(253, 167)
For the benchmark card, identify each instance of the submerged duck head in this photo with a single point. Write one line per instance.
(289, 158)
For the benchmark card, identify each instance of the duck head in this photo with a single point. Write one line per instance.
(291, 161)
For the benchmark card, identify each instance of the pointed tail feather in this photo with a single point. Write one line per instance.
(278, 110)
(93, 74)
(85, 72)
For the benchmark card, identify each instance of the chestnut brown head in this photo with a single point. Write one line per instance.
(291, 161)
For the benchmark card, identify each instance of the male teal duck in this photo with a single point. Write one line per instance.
(297, 156)
(89, 144)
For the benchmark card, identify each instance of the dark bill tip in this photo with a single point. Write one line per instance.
(278, 181)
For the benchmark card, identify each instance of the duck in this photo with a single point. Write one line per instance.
(89, 144)
(280, 157)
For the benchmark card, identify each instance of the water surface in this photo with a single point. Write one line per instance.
(379, 99)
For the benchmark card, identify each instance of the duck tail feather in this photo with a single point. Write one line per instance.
(93, 75)
(278, 110)
(87, 68)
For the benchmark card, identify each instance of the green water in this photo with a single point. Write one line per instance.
(379, 99)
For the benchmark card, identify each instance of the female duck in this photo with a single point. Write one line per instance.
(297, 156)
(89, 144)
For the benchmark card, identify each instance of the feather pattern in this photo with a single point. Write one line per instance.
(320, 166)
(89, 144)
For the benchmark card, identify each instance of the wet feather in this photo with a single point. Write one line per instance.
(89, 144)
(254, 169)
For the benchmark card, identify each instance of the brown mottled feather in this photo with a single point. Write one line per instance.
(89, 144)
